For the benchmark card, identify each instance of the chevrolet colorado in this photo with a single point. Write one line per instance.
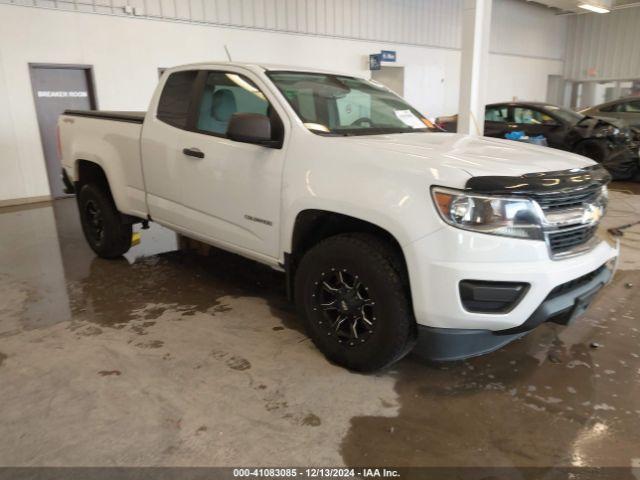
(392, 235)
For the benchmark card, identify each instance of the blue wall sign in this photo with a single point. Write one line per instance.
(388, 55)
(374, 61)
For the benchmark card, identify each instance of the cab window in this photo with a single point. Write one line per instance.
(175, 99)
(496, 114)
(224, 94)
(631, 107)
(528, 116)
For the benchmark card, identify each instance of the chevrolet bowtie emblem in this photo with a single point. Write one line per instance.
(592, 213)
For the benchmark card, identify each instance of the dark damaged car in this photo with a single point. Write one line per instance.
(608, 141)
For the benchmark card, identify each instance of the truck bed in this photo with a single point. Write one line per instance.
(111, 140)
(133, 117)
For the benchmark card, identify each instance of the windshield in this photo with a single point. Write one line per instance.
(565, 114)
(340, 105)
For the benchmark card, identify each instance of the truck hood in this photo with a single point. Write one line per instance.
(474, 155)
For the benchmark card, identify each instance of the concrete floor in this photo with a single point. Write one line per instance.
(169, 358)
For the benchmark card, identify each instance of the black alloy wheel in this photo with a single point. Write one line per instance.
(104, 228)
(94, 222)
(352, 294)
(348, 309)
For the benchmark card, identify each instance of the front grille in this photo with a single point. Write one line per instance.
(572, 238)
(562, 241)
(565, 201)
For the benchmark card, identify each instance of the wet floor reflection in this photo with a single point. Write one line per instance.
(112, 292)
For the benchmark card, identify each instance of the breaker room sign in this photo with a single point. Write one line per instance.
(62, 94)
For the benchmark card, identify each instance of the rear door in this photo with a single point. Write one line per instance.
(161, 158)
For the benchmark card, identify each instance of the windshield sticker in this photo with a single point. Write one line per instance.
(409, 119)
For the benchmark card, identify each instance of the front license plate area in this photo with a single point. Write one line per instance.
(582, 303)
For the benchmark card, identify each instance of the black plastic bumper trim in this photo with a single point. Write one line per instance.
(559, 302)
(68, 185)
(447, 344)
(479, 296)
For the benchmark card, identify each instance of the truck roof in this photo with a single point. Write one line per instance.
(264, 67)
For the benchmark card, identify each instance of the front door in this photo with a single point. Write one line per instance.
(57, 88)
(234, 188)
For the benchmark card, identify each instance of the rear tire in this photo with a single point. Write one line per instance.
(355, 306)
(101, 222)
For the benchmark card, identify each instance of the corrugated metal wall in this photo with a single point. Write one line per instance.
(604, 47)
(518, 27)
(418, 22)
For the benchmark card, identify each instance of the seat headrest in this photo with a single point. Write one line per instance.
(223, 105)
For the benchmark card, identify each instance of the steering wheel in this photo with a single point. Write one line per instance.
(359, 122)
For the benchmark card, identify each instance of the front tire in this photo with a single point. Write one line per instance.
(102, 224)
(351, 294)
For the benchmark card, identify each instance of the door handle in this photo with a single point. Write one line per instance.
(193, 152)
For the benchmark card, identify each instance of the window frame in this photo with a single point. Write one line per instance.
(199, 85)
(626, 105)
(191, 99)
(500, 106)
(537, 110)
(197, 91)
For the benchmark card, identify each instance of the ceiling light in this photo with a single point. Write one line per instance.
(593, 8)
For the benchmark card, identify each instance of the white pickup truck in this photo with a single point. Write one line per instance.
(391, 234)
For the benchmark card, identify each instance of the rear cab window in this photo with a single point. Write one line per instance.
(497, 114)
(175, 99)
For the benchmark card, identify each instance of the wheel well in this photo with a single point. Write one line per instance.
(90, 172)
(313, 226)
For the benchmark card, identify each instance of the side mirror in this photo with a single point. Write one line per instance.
(251, 128)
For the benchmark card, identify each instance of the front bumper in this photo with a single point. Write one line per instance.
(564, 303)
(439, 262)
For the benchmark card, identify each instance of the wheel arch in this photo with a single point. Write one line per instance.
(89, 171)
(311, 226)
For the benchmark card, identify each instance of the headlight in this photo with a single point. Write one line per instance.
(506, 216)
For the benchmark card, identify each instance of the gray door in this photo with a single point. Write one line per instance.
(56, 89)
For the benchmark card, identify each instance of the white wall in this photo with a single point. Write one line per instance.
(126, 53)
(528, 29)
(522, 78)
